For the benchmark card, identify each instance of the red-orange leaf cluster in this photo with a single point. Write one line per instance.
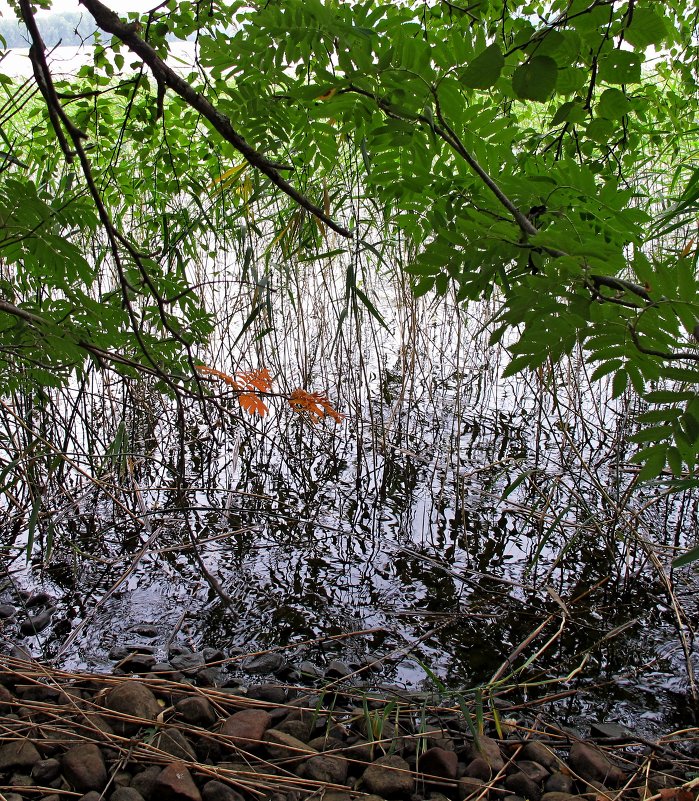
(315, 405)
(248, 383)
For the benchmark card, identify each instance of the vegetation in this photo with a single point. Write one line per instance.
(539, 158)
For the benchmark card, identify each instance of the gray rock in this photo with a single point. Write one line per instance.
(338, 670)
(309, 671)
(84, 767)
(134, 699)
(218, 791)
(280, 745)
(211, 677)
(388, 777)
(19, 754)
(119, 652)
(145, 630)
(213, 655)
(6, 610)
(263, 663)
(612, 731)
(175, 783)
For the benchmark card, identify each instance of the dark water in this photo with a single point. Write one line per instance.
(397, 533)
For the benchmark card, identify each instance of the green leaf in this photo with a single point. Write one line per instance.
(620, 66)
(535, 79)
(613, 104)
(647, 28)
(484, 71)
(690, 556)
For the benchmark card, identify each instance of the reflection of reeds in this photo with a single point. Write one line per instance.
(442, 474)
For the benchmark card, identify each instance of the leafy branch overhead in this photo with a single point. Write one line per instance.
(541, 155)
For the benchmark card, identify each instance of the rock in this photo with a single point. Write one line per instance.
(309, 671)
(592, 765)
(188, 663)
(560, 797)
(324, 768)
(263, 663)
(40, 598)
(213, 655)
(218, 791)
(84, 767)
(137, 663)
(15, 797)
(538, 752)
(301, 729)
(267, 692)
(6, 610)
(438, 762)
(337, 670)
(46, 770)
(19, 754)
(558, 782)
(469, 787)
(611, 731)
(388, 777)
(41, 692)
(126, 794)
(145, 630)
(36, 623)
(144, 781)
(134, 699)
(327, 743)
(173, 742)
(536, 772)
(486, 748)
(119, 652)
(175, 783)
(196, 710)
(478, 768)
(6, 700)
(210, 677)
(247, 727)
(520, 784)
(280, 745)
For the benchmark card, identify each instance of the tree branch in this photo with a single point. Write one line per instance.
(128, 33)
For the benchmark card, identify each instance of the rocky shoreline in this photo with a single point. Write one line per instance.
(173, 731)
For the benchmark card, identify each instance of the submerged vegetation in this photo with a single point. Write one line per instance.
(462, 233)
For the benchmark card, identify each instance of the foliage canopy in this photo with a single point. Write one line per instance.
(542, 153)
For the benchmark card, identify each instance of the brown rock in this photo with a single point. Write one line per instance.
(559, 782)
(438, 762)
(134, 699)
(280, 745)
(144, 781)
(388, 777)
(84, 768)
(175, 783)
(538, 752)
(19, 754)
(324, 768)
(173, 742)
(486, 748)
(247, 727)
(520, 784)
(536, 772)
(6, 699)
(126, 794)
(478, 768)
(196, 710)
(560, 797)
(218, 791)
(469, 787)
(46, 770)
(593, 765)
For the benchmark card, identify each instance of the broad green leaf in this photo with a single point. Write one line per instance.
(619, 67)
(484, 71)
(613, 104)
(648, 27)
(535, 79)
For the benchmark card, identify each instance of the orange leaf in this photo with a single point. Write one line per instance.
(252, 404)
(687, 249)
(315, 405)
(202, 368)
(260, 379)
(327, 95)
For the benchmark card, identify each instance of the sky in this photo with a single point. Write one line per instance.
(120, 6)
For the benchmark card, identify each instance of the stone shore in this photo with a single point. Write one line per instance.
(148, 738)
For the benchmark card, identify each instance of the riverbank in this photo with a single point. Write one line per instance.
(150, 738)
